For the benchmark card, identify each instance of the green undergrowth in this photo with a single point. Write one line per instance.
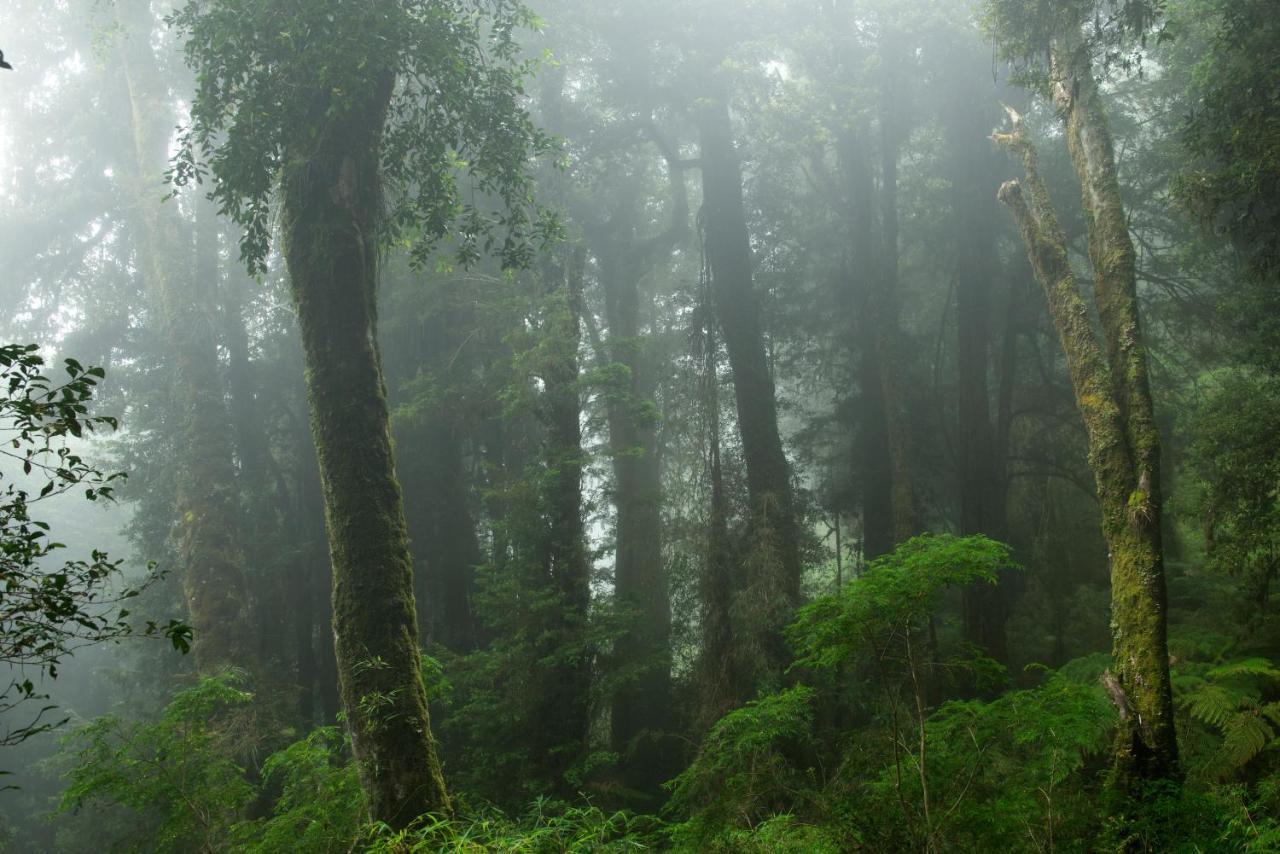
(893, 735)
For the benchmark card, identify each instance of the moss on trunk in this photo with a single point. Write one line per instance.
(1148, 748)
(1119, 450)
(331, 205)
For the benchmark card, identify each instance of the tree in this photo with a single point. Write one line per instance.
(329, 103)
(772, 586)
(972, 164)
(1109, 376)
(213, 576)
(1233, 179)
(1120, 449)
(47, 612)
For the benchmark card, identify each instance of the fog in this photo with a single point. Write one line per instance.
(735, 425)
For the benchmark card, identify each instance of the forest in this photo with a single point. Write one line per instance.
(639, 425)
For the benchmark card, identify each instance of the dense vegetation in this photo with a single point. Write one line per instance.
(601, 425)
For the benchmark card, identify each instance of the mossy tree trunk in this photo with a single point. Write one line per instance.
(1148, 748)
(1114, 401)
(332, 200)
(206, 502)
(772, 587)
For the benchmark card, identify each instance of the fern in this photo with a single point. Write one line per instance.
(1244, 737)
(1213, 704)
(1229, 699)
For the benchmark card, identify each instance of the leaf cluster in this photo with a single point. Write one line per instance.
(177, 775)
(454, 151)
(48, 611)
(879, 612)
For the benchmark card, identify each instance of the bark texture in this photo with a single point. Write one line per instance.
(1148, 748)
(1115, 404)
(331, 197)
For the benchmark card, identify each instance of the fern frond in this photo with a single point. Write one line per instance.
(1214, 704)
(1262, 667)
(1245, 736)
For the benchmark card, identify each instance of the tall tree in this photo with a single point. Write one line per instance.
(563, 704)
(625, 257)
(323, 115)
(1109, 377)
(1119, 448)
(772, 587)
(213, 573)
(973, 164)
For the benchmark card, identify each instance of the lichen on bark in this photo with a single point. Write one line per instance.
(1114, 401)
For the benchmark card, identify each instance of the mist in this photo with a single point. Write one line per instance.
(589, 425)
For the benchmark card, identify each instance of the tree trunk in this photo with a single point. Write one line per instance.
(212, 563)
(1120, 449)
(331, 205)
(642, 704)
(437, 489)
(973, 164)
(564, 703)
(888, 334)
(773, 567)
(718, 684)
(449, 540)
(886, 498)
(562, 700)
(640, 581)
(1148, 750)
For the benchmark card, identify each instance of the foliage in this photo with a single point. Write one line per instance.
(269, 71)
(1235, 456)
(1230, 698)
(778, 834)
(178, 775)
(1116, 30)
(487, 705)
(1009, 769)
(878, 616)
(546, 828)
(48, 612)
(749, 767)
(320, 806)
(1232, 134)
